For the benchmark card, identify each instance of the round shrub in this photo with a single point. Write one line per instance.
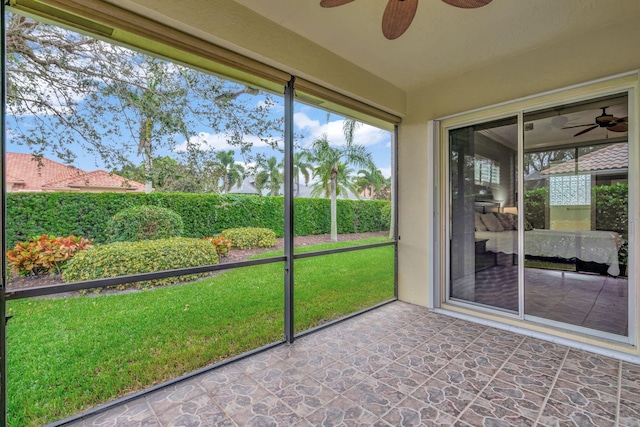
(144, 223)
(250, 237)
(124, 258)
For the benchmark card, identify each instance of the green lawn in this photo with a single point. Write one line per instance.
(69, 354)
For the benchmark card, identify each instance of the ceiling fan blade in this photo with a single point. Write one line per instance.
(467, 4)
(397, 17)
(333, 3)
(586, 130)
(620, 126)
(577, 126)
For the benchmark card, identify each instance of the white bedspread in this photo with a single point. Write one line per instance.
(593, 246)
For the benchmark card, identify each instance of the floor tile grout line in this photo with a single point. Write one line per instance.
(495, 374)
(153, 411)
(553, 385)
(394, 360)
(617, 420)
(215, 401)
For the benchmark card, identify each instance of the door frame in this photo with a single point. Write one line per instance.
(439, 138)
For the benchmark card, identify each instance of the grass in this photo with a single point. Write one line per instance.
(69, 354)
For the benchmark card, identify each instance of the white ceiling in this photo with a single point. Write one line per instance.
(444, 40)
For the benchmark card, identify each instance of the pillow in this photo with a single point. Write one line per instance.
(508, 220)
(479, 224)
(491, 222)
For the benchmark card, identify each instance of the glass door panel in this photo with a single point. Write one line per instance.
(576, 211)
(482, 221)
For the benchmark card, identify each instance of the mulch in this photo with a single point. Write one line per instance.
(235, 255)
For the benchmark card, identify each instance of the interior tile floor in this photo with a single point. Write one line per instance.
(399, 365)
(583, 299)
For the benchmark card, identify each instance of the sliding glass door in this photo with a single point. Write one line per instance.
(482, 177)
(576, 193)
(564, 261)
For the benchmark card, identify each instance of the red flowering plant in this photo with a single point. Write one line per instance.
(44, 254)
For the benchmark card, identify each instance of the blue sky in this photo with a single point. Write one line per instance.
(309, 123)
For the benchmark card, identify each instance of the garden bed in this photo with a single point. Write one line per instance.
(16, 282)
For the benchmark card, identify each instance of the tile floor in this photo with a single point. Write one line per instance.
(588, 300)
(400, 365)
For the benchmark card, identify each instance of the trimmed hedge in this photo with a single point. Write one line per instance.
(250, 237)
(611, 207)
(87, 214)
(124, 258)
(144, 223)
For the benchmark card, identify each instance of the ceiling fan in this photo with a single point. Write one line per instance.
(399, 13)
(614, 124)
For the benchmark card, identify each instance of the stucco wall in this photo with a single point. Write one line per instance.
(604, 53)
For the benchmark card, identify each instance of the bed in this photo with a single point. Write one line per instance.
(590, 246)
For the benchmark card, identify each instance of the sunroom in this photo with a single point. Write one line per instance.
(514, 159)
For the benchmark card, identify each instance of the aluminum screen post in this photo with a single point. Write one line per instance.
(288, 211)
(3, 211)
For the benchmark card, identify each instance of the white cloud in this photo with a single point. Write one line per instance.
(205, 141)
(312, 129)
(386, 171)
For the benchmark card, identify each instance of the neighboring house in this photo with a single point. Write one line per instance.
(27, 173)
(610, 160)
(249, 187)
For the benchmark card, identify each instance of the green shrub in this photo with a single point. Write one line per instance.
(612, 207)
(250, 237)
(144, 223)
(222, 245)
(125, 258)
(87, 214)
(536, 203)
(44, 254)
(385, 216)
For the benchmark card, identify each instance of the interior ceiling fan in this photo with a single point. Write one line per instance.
(399, 13)
(614, 124)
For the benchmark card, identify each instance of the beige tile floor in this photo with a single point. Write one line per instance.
(399, 365)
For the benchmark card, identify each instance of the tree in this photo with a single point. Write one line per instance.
(228, 170)
(344, 182)
(349, 128)
(269, 176)
(371, 181)
(301, 167)
(69, 93)
(330, 160)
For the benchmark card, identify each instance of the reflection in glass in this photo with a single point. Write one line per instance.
(576, 204)
(484, 241)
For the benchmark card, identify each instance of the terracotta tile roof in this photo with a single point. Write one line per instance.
(13, 179)
(614, 156)
(94, 180)
(31, 174)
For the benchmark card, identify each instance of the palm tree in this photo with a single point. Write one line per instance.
(329, 160)
(349, 128)
(344, 182)
(370, 180)
(270, 176)
(301, 167)
(232, 173)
